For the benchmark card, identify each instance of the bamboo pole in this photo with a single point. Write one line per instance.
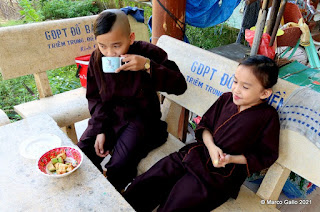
(276, 25)
(259, 28)
(273, 15)
(168, 18)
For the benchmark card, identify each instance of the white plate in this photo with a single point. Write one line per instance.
(35, 146)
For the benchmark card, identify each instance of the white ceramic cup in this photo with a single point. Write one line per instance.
(111, 64)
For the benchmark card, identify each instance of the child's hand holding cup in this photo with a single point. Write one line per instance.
(111, 64)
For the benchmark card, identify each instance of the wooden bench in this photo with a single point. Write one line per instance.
(4, 118)
(208, 75)
(38, 47)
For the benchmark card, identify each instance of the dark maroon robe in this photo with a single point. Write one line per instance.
(127, 110)
(187, 180)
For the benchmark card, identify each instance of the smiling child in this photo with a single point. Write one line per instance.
(237, 136)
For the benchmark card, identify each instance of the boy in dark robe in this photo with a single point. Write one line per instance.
(237, 136)
(124, 106)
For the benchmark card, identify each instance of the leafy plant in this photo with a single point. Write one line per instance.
(23, 89)
(11, 23)
(14, 92)
(57, 9)
(63, 79)
(208, 38)
(29, 12)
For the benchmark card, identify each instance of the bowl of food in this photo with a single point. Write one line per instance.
(60, 161)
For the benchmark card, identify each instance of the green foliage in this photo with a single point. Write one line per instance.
(29, 12)
(11, 23)
(15, 91)
(63, 79)
(57, 9)
(208, 38)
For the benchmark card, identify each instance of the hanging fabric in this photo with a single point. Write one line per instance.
(204, 13)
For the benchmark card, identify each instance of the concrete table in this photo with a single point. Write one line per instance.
(24, 188)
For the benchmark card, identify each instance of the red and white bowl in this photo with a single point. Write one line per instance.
(74, 156)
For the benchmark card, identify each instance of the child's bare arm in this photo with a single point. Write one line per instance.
(238, 159)
(218, 158)
(215, 152)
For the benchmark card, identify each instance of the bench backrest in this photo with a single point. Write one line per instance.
(4, 118)
(38, 47)
(208, 75)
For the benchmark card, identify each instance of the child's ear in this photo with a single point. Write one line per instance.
(132, 37)
(266, 93)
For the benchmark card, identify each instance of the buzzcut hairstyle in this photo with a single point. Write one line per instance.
(264, 68)
(104, 23)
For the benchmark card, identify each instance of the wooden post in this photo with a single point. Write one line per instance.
(43, 84)
(183, 124)
(168, 18)
(70, 131)
(259, 28)
(273, 16)
(277, 23)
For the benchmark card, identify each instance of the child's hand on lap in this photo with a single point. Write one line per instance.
(216, 154)
(223, 160)
(98, 145)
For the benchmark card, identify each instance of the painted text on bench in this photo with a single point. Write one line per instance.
(58, 37)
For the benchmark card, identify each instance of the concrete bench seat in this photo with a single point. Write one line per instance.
(4, 118)
(172, 144)
(65, 108)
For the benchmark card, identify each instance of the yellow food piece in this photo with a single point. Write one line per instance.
(58, 164)
(61, 171)
(62, 155)
(69, 168)
(215, 162)
(51, 167)
(62, 168)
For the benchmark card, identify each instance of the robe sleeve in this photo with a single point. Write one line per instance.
(165, 74)
(97, 108)
(266, 151)
(209, 118)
